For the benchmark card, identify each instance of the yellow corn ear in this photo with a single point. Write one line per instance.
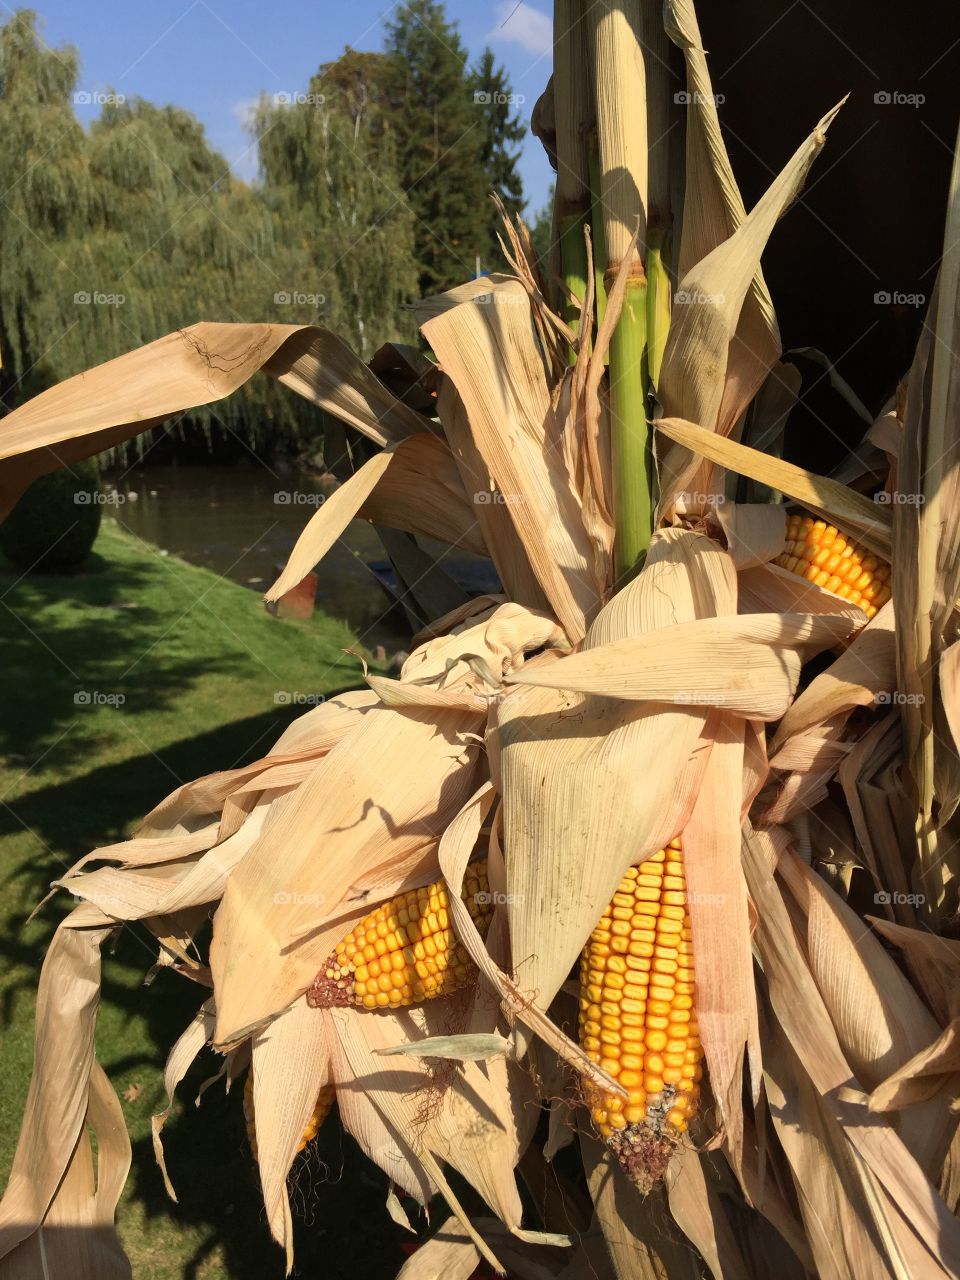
(637, 1017)
(405, 951)
(320, 1112)
(820, 553)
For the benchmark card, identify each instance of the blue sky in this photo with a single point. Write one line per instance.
(215, 57)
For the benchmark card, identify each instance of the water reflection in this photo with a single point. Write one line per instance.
(241, 522)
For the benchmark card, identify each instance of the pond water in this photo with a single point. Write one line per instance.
(242, 522)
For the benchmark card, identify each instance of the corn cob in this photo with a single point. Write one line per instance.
(320, 1112)
(405, 951)
(637, 1018)
(821, 554)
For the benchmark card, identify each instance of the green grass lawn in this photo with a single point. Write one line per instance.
(198, 664)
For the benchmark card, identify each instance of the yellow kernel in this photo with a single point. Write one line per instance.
(643, 894)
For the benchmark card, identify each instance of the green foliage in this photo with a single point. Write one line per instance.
(439, 135)
(55, 523)
(502, 128)
(112, 239)
(328, 163)
(373, 190)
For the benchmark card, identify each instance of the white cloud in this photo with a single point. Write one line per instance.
(243, 110)
(523, 25)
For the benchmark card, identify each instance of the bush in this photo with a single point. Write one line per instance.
(53, 526)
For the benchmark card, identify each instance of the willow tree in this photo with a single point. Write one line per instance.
(179, 237)
(111, 238)
(328, 165)
(47, 198)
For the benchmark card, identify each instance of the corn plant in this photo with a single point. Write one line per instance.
(608, 853)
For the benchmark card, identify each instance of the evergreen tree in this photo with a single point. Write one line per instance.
(502, 127)
(440, 134)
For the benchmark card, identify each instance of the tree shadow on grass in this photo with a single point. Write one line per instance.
(341, 1229)
(338, 1196)
(75, 644)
